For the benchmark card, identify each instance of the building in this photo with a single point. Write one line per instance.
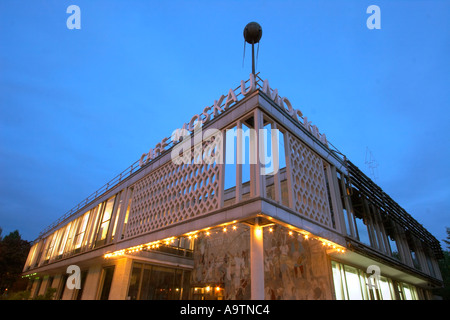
(248, 200)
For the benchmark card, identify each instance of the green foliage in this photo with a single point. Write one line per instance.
(13, 254)
(25, 295)
(21, 295)
(48, 295)
(444, 266)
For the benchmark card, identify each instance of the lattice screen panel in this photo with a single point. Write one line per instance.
(310, 196)
(175, 193)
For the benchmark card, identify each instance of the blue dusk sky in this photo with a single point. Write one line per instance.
(78, 106)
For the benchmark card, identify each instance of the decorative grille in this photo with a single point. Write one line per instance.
(174, 193)
(308, 183)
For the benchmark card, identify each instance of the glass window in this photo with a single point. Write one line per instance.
(119, 201)
(353, 284)
(81, 231)
(78, 294)
(343, 195)
(106, 219)
(415, 259)
(389, 227)
(430, 266)
(409, 292)
(386, 289)
(51, 244)
(133, 289)
(363, 232)
(130, 197)
(64, 239)
(338, 281)
(150, 282)
(413, 250)
(108, 273)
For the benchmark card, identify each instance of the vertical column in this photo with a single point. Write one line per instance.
(276, 162)
(222, 169)
(119, 285)
(260, 171)
(239, 161)
(257, 261)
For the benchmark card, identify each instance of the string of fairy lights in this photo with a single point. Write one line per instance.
(224, 229)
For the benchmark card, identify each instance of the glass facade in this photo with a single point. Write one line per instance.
(351, 283)
(153, 282)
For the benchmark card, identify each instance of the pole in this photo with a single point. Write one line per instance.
(253, 58)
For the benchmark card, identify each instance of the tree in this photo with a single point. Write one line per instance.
(13, 254)
(444, 266)
(446, 241)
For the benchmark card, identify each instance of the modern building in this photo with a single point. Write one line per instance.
(249, 200)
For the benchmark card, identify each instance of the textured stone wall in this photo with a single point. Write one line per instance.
(224, 259)
(295, 268)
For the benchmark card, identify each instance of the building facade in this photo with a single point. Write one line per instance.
(248, 200)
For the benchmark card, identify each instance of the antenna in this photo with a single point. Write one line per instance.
(252, 35)
(371, 164)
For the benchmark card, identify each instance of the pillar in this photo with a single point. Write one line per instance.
(257, 262)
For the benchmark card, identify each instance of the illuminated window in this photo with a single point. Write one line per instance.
(338, 278)
(130, 197)
(105, 221)
(81, 231)
(386, 288)
(352, 280)
(409, 291)
(62, 244)
(150, 282)
(351, 283)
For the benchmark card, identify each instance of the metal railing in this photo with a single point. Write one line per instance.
(121, 176)
(106, 187)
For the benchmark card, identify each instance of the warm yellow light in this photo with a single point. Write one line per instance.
(225, 229)
(306, 236)
(208, 288)
(258, 232)
(217, 288)
(290, 233)
(208, 233)
(270, 229)
(234, 227)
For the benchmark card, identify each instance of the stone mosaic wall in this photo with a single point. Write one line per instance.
(295, 268)
(224, 259)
